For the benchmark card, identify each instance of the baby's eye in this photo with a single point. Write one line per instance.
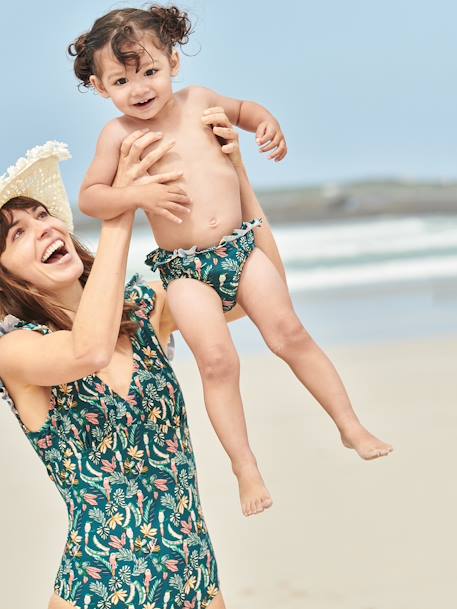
(120, 81)
(150, 72)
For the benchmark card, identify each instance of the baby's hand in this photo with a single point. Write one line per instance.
(223, 129)
(270, 137)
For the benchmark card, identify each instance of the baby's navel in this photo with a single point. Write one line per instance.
(213, 222)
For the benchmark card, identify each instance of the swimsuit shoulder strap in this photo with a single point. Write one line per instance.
(138, 292)
(35, 327)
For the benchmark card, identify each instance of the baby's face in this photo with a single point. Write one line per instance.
(138, 93)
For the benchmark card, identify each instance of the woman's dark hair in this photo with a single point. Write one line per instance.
(124, 28)
(23, 300)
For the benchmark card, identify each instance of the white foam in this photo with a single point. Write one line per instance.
(385, 272)
(374, 237)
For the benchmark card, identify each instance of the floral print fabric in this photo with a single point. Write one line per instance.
(125, 468)
(220, 266)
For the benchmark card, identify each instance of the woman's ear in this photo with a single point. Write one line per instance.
(98, 85)
(175, 63)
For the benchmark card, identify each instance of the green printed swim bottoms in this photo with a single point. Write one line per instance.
(219, 266)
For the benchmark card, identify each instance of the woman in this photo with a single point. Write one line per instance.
(115, 441)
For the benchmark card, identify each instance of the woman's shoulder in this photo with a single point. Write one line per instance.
(15, 340)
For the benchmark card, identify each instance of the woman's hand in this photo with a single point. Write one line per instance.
(223, 128)
(159, 194)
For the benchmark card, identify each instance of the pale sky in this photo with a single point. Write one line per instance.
(362, 89)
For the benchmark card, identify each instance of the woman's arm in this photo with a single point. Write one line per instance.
(62, 356)
(252, 208)
(250, 205)
(264, 238)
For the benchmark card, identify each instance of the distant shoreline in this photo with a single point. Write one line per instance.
(346, 200)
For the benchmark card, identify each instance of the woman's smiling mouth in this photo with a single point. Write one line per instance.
(55, 252)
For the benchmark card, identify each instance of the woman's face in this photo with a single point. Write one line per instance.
(39, 250)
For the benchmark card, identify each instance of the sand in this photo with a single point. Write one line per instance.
(342, 534)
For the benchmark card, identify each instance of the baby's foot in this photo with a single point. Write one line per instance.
(364, 443)
(254, 495)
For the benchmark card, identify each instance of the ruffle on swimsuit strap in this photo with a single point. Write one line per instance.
(7, 325)
(146, 299)
(159, 256)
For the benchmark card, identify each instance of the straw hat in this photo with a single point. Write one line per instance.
(37, 175)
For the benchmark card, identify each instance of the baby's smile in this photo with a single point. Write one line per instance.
(145, 103)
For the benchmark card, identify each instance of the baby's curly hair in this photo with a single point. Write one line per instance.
(169, 26)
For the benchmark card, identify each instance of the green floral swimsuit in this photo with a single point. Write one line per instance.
(125, 468)
(220, 266)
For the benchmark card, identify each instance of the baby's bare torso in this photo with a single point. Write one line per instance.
(209, 179)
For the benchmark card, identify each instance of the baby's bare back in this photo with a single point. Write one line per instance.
(209, 179)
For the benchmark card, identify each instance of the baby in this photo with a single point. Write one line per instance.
(206, 254)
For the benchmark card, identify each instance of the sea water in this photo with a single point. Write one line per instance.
(381, 278)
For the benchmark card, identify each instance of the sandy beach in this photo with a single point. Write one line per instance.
(342, 534)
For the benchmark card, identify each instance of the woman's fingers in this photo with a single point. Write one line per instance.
(216, 118)
(163, 178)
(223, 128)
(228, 133)
(169, 216)
(178, 207)
(154, 155)
(137, 147)
(128, 141)
(176, 194)
(175, 197)
(229, 148)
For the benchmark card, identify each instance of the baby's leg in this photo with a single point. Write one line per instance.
(198, 313)
(265, 298)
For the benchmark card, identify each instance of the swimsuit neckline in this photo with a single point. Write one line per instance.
(134, 369)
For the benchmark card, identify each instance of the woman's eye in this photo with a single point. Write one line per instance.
(120, 81)
(42, 214)
(17, 233)
(151, 72)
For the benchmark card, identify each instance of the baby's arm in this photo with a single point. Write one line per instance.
(251, 116)
(97, 197)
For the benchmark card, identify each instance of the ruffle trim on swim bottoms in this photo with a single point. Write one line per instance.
(159, 256)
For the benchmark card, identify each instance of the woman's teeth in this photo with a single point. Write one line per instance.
(51, 249)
